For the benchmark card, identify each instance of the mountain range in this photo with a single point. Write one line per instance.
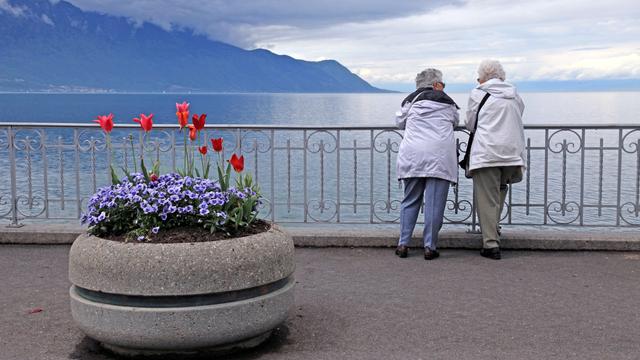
(58, 47)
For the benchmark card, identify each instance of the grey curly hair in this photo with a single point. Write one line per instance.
(490, 69)
(427, 77)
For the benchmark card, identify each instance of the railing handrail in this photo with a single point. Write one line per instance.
(295, 127)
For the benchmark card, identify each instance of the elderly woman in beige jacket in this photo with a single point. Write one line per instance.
(498, 152)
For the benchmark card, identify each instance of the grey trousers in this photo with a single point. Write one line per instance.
(434, 192)
(490, 186)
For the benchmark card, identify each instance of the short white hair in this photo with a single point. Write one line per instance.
(490, 69)
(427, 77)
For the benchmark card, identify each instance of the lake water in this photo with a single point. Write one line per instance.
(353, 184)
(304, 109)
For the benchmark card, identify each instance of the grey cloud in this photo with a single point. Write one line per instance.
(14, 10)
(591, 48)
(237, 21)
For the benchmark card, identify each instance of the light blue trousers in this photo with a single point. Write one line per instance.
(434, 192)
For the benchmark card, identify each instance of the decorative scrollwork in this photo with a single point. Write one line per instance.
(324, 210)
(123, 141)
(565, 145)
(506, 208)
(27, 140)
(390, 144)
(388, 207)
(255, 141)
(5, 204)
(91, 140)
(159, 141)
(462, 141)
(262, 205)
(630, 144)
(461, 211)
(563, 213)
(634, 210)
(36, 206)
(320, 144)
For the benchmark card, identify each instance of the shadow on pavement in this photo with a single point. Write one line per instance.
(91, 349)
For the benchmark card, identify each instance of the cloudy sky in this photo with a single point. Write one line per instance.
(388, 42)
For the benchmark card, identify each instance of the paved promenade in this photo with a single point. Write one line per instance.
(366, 303)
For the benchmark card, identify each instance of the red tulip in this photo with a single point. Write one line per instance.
(153, 177)
(198, 122)
(183, 114)
(193, 133)
(203, 150)
(145, 121)
(184, 107)
(105, 121)
(217, 144)
(237, 162)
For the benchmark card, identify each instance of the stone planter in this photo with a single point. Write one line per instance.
(144, 298)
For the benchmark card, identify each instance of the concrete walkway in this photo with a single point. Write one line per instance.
(367, 304)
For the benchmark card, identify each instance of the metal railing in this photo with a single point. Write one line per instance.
(576, 175)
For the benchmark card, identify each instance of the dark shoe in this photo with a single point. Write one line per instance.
(492, 253)
(402, 251)
(430, 254)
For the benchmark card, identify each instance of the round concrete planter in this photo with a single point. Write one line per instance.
(143, 298)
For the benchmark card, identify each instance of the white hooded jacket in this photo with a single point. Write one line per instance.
(499, 138)
(428, 148)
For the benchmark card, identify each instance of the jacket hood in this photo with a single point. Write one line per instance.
(499, 88)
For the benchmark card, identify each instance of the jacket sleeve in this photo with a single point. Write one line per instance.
(401, 116)
(472, 108)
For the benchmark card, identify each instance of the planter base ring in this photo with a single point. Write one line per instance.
(214, 351)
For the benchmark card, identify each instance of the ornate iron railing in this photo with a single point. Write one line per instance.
(577, 175)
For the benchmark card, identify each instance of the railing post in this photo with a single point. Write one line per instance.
(12, 170)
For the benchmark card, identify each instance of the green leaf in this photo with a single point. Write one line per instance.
(206, 170)
(227, 174)
(252, 218)
(144, 170)
(114, 176)
(221, 179)
(197, 172)
(247, 207)
(239, 218)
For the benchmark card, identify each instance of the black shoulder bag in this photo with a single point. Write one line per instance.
(464, 163)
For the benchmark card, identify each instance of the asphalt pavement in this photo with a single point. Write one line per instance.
(366, 303)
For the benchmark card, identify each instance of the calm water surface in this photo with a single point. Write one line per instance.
(304, 109)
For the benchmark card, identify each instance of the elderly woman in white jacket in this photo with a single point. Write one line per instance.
(427, 160)
(498, 152)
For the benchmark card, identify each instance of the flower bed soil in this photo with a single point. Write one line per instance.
(195, 234)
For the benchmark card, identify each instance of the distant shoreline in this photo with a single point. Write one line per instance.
(294, 93)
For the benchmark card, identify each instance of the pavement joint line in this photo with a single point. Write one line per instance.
(385, 236)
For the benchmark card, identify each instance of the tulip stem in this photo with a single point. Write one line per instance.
(133, 153)
(202, 155)
(186, 155)
(110, 154)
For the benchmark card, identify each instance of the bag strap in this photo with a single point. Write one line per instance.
(484, 100)
(414, 100)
